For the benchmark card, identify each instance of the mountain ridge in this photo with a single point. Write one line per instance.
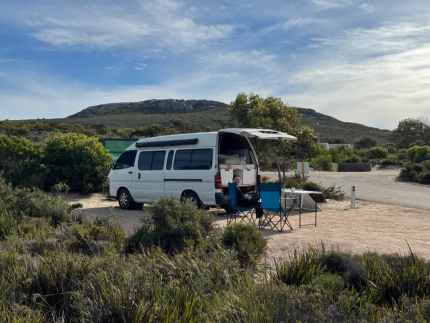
(210, 115)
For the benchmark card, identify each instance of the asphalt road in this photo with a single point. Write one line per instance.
(377, 186)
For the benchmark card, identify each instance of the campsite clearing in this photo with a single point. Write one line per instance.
(376, 227)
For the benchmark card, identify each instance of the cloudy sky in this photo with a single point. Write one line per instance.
(361, 61)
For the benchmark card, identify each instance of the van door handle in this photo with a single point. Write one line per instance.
(130, 172)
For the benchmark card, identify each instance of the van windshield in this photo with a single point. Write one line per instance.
(234, 149)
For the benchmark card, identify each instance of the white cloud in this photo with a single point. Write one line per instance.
(299, 22)
(367, 7)
(376, 76)
(331, 4)
(154, 23)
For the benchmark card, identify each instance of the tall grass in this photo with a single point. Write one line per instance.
(84, 272)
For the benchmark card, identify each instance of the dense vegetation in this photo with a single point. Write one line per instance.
(77, 161)
(71, 270)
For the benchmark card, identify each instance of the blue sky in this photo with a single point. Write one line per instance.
(361, 61)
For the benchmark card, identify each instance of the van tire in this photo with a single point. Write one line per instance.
(192, 198)
(125, 200)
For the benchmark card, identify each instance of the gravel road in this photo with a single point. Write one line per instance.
(378, 186)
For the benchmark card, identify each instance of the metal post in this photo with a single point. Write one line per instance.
(353, 198)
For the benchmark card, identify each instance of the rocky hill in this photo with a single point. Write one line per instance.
(201, 115)
(150, 107)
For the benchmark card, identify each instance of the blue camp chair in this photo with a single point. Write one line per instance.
(236, 212)
(275, 212)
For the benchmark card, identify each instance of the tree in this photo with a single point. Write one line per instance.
(78, 160)
(254, 111)
(411, 132)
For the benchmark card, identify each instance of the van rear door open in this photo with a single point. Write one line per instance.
(265, 134)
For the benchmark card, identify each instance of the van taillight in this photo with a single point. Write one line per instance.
(218, 182)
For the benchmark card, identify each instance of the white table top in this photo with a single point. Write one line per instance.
(299, 191)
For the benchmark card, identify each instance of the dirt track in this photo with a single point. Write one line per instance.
(373, 226)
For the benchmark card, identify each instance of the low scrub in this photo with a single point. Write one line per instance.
(323, 163)
(416, 172)
(17, 204)
(247, 241)
(172, 226)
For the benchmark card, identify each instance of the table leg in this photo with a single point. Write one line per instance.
(316, 212)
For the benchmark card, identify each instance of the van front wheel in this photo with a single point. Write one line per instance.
(125, 200)
(191, 198)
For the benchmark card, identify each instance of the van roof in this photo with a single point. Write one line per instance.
(209, 138)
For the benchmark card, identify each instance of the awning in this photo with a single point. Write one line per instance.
(266, 134)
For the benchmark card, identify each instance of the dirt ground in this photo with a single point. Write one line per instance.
(381, 228)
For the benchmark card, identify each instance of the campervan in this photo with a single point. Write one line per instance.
(193, 167)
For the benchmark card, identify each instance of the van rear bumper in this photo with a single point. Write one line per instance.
(220, 199)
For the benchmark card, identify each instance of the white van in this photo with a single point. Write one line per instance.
(194, 167)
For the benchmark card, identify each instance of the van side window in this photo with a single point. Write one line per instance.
(193, 159)
(126, 160)
(169, 160)
(151, 160)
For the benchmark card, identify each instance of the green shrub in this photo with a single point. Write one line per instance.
(36, 203)
(343, 154)
(60, 188)
(172, 226)
(330, 192)
(390, 161)
(20, 162)
(418, 154)
(33, 203)
(354, 167)
(426, 164)
(365, 143)
(394, 277)
(97, 237)
(247, 241)
(377, 153)
(77, 160)
(322, 162)
(424, 178)
(300, 267)
(413, 173)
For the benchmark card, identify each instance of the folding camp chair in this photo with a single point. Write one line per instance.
(275, 212)
(236, 212)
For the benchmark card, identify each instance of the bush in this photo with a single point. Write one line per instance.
(20, 162)
(247, 241)
(94, 238)
(22, 202)
(79, 161)
(418, 173)
(424, 178)
(365, 143)
(322, 162)
(390, 161)
(377, 153)
(354, 167)
(171, 226)
(418, 154)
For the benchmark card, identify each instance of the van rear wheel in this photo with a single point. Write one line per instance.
(191, 198)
